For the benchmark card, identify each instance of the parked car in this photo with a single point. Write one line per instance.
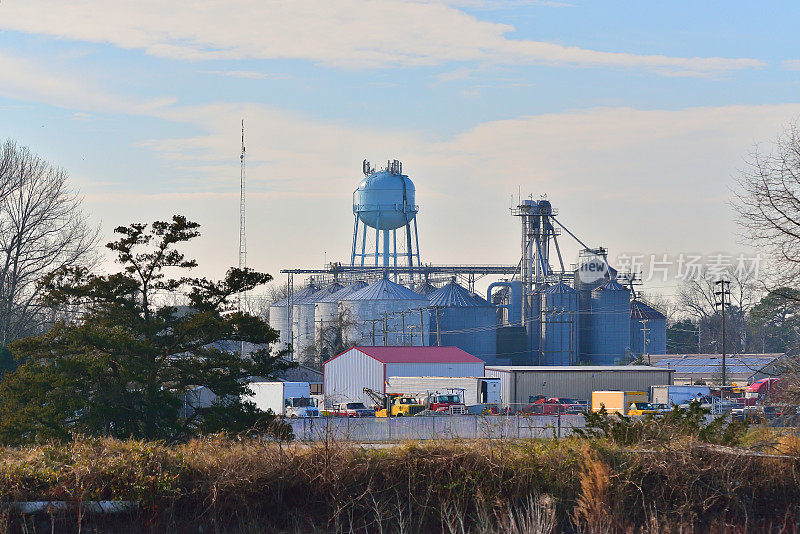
(641, 408)
(354, 409)
(556, 406)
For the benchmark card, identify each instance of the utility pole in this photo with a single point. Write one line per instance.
(724, 294)
(645, 331)
(403, 327)
(373, 321)
(385, 327)
(438, 330)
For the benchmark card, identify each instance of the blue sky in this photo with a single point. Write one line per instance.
(632, 116)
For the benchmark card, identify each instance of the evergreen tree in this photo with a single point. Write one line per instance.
(127, 366)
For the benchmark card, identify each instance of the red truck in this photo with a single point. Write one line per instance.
(555, 406)
(763, 391)
(451, 402)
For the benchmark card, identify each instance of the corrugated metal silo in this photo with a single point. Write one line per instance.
(303, 321)
(560, 325)
(425, 288)
(464, 320)
(648, 329)
(609, 322)
(279, 318)
(386, 307)
(327, 308)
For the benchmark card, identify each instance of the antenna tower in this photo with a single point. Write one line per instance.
(242, 236)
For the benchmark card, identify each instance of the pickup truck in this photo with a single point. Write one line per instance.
(353, 409)
(555, 406)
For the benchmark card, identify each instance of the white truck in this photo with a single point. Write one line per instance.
(288, 399)
(677, 395)
(480, 392)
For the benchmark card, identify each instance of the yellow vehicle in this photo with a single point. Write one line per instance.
(401, 406)
(641, 408)
(394, 404)
(617, 401)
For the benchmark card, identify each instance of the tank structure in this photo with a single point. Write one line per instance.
(279, 314)
(560, 325)
(538, 313)
(303, 321)
(609, 333)
(425, 288)
(464, 320)
(384, 203)
(386, 313)
(648, 329)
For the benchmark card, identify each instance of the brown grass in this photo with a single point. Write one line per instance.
(589, 486)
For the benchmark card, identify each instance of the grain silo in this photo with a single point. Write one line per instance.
(385, 313)
(648, 329)
(560, 325)
(279, 314)
(464, 320)
(609, 319)
(326, 310)
(425, 288)
(303, 321)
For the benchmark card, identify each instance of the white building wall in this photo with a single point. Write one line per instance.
(434, 369)
(346, 376)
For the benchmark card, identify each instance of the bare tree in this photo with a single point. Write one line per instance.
(768, 203)
(42, 228)
(697, 299)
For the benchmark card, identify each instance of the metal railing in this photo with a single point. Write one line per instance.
(377, 429)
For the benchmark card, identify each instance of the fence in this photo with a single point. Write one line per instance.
(369, 429)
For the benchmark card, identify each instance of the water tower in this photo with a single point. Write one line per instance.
(384, 202)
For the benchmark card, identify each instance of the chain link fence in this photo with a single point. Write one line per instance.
(376, 429)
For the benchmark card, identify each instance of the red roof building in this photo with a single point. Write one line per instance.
(347, 374)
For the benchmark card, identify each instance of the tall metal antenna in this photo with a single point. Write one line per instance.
(242, 236)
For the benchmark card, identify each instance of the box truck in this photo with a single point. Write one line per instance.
(288, 399)
(677, 395)
(617, 401)
(478, 392)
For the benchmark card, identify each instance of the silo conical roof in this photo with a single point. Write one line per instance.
(611, 285)
(330, 289)
(560, 287)
(455, 295)
(298, 295)
(384, 290)
(640, 310)
(425, 288)
(344, 292)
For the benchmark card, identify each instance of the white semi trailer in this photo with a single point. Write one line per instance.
(478, 392)
(289, 399)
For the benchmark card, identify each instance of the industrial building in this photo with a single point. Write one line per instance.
(542, 311)
(518, 384)
(346, 375)
(706, 369)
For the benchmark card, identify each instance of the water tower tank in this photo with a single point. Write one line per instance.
(384, 200)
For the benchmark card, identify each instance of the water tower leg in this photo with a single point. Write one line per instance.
(377, 237)
(386, 249)
(394, 254)
(355, 239)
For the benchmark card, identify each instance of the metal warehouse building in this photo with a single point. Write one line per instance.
(346, 375)
(519, 383)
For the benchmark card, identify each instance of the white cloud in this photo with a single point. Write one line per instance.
(791, 64)
(345, 33)
(28, 81)
(249, 74)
